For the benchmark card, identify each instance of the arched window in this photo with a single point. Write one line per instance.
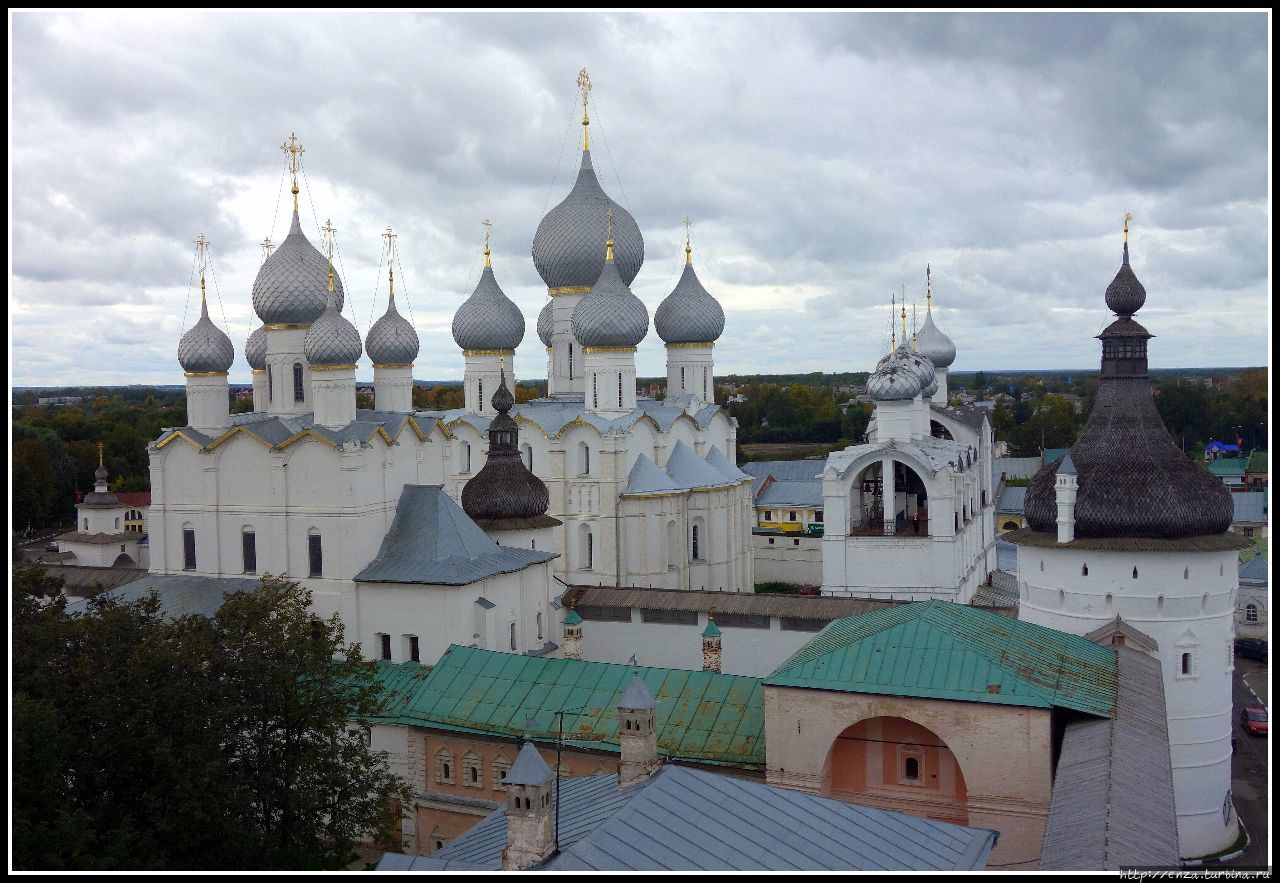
(1135, 573)
(586, 548)
(315, 554)
(1159, 602)
(188, 547)
(1186, 573)
(673, 545)
(696, 550)
(584, 459)
(271, 386)
(299, 391)
(1186, 663)
(595, 390)
(472, 776)
(480, 395)
(444, 766)
(539, 619)
(1084, 569)
(619, 389)
(249, 550)
(1251, 613)
(682, 378)
(500, 768)
(570, 360)
(1109, 600)
(466, 457)
(513, 636)
(117, 523)
(86, 525)
(704, 384)
(912, 770)
(526, 451)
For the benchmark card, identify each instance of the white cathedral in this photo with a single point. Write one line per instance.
(423, 529)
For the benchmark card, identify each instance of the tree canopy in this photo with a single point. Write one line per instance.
(146, 742)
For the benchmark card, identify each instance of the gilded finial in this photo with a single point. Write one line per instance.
(928, 288)
(488, 225)
(893, 332)
(266, 249)
(329, 230)
(915, 326)
(608, 244)
(584, 86)
(201, 245)
(904, 316)
(391, 263)
(688, 240)
(1127, 218)
(100, 462)
(294, 149)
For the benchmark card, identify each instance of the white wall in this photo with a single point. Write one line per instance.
(788, 559)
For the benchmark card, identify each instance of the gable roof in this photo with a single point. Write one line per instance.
(717, 460)
(180, 594)
(432, 541)
(693, 820)
(1011, 501)
(1255, 569)
(940, 650)
(792, 493)
(701, 716)
(647, 478)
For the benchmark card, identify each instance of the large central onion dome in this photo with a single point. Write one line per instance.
(332, 340)
(292, 284)
(504, 491)
(1133, 480)
(488, 319)
(934, 345)
(392, 340)
(205, 349)
(610, 315)
(568, 248)
(689, 314)
(255, 349)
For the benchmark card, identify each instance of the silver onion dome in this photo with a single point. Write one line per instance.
(895, 379)
(689, 314)
(255, 349)
(292, 284)
(610, 315)
(488, 319)
(568, 248)
(205, 349)
(392, 340)
(934, 345)
(545, 324)
(331, 339)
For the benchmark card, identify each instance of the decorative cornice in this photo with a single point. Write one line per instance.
(260, 371)
(709, 344)
(206, 373)
(608, 349)
(488, 352)
(569, 289)
(333, 367)
(288, 326)
(376, 365)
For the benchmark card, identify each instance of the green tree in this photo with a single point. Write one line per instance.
(141, 741)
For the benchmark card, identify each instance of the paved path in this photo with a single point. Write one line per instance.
(1249, 764)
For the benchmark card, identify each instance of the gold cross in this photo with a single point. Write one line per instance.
(584, 86)
(391, 257)
(1127, 218)
(688, 237)
(329, 230)
(487, 224)
(100, 454)
(201, 245)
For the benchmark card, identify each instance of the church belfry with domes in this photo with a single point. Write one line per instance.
(1126, 532)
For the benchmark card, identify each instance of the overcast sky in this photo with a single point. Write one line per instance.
(824, 159)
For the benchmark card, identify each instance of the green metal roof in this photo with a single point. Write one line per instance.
(712, 630)
(1051, 454)
(701, 716)
(1228, 466)
(572, 617)
(940, 650)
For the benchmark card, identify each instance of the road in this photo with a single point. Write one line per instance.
(35, 544)
(1249, 763)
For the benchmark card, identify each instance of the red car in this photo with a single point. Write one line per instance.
(1254, 721)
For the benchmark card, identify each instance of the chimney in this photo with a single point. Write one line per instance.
(530, 811)
(1065, 488)
(711, 644)
(572, 635)
(636, 733)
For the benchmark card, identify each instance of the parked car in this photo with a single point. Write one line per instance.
(810, 590)
(1254, 721)
(51, 547)
(1251, 648)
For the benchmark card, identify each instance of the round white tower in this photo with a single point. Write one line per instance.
(935, 346)
(488, 327)
(1126, 525)
(206, 354)
(331, 347)
(690, 321)
(392, 345)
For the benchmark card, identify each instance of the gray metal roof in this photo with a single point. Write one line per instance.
(690, 820)
(637, 696)
(332, 339)
(1255, 569)
(610, 315)
(936, 346)
(970, 415)
(1002, 593)
(792, 493)
(179, 594)
(689, 470)
(568, 248)
(720, 462)
(529, 768)
(80, 577)
(1011, 500)
(786, 470)
(292, 284)
(1112, 801)
(488, 319)
(647, 478)
(275, 429)
(399, 861)
(433, 542)
(205, 347)
(1014, 467)
(689, 314)
(1250, 507)
(392, 340)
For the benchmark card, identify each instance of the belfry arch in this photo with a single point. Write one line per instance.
(888, 497)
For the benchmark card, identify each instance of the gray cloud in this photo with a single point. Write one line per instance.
(825, 159)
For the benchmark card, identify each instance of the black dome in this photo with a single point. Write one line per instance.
(504, 491)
